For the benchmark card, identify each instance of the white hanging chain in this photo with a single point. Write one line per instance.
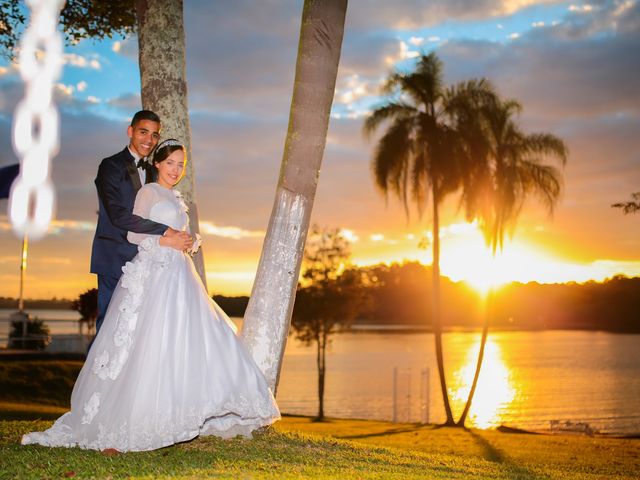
(36, 124)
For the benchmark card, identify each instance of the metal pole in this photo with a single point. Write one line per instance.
(395, 394)
(23, 268)
(409, 397)
(23, 271)
(422, 396)
(427, 401)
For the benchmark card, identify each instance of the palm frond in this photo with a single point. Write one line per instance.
(546, 144)
(391, 159)
(542, 180)
(389, 111)
(420, 179)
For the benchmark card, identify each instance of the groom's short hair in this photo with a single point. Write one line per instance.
(144, 115)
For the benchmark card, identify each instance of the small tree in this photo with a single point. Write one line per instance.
(37, 335)
(328, 296)
(87, 305)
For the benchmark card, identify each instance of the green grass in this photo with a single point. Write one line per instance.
(342, 449)
(274, 454)
(297, 447)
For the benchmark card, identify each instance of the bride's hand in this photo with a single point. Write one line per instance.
(181, 241)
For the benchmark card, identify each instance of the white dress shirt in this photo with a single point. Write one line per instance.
(141, 171)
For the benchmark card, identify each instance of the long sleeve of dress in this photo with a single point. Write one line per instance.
(145, 200)
(118, 213)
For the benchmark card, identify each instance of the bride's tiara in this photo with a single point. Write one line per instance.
(169, 143)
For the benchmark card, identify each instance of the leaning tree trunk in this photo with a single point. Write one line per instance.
(483, 342)
(268, 315)
(437, 318)
(163, 79)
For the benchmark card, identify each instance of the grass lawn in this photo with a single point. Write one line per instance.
(297, 447)
(342, 449)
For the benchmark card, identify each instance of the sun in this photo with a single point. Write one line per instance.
(466, 257)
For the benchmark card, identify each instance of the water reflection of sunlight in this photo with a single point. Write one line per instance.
(494, 391)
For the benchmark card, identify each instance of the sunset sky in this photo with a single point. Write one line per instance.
(574, 66)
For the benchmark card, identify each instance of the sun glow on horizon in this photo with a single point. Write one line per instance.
(466, 257)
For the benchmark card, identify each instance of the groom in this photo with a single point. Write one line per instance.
(119, 179)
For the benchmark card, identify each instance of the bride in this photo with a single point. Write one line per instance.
(167, 365)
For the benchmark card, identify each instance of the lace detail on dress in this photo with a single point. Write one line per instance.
(239, 416)
(134, 275)
(181, 201)
(91, 408)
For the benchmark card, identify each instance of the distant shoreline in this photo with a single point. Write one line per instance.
(398, 329)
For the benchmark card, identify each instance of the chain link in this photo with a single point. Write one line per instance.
(36, 123)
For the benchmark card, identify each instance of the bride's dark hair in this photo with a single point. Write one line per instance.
(166, 148)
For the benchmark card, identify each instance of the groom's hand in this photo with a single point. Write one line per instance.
(176, 239)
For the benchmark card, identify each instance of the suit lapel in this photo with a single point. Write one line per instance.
(132, 170)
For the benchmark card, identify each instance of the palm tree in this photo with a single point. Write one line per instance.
(268, 315)
(418, 156)
(505, 167)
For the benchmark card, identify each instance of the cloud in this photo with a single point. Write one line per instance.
(235, 233)
(129, 102)
(127, 47)
(64, 90)
(79, 61)
(251, 75)
(581, 8)
(58, 226)
(408, 15)
(11, 91)
(559, 72)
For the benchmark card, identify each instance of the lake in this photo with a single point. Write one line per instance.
(530, 380)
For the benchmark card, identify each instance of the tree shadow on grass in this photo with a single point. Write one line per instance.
(389, 431)
(495, 455)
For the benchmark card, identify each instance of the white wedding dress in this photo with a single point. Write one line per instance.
(166, 365)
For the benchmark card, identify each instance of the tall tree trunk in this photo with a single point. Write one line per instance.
(437, 319)
(483, 342)
(268, 315)
(163, 80)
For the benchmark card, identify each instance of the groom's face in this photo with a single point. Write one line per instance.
(144, 137)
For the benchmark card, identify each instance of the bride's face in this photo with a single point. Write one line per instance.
(171, 170)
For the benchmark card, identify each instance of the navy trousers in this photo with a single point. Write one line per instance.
(106, 286)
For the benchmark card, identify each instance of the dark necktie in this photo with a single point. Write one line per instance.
(141, 164)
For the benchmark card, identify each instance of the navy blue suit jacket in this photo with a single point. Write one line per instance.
(118, 183)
